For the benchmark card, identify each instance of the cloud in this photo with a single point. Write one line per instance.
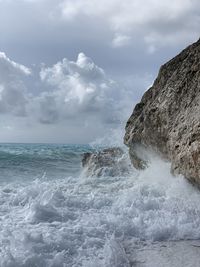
(10, 68)
(121, 40)
(12, 88)
(129, 39)
(159, 23)
(79, 89)
(77, 96)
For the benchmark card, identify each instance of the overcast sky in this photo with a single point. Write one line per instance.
(72, 70)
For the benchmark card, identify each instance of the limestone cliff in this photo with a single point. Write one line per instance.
(167, 119)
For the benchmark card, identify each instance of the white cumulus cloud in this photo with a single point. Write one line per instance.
(74, 92)
(76, 96)
(12, 88)
(79, 89)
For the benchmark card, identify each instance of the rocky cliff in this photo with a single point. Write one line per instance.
(167, 119)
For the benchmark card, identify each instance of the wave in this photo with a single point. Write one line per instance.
(29, 161)
(35, 151)
(92, 221)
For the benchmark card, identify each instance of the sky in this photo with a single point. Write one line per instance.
(71, 71)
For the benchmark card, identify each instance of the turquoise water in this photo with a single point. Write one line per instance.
(53, 215)
(31, 161)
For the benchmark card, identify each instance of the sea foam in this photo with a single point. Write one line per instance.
(90, 221)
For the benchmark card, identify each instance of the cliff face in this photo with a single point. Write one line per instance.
(167, 120)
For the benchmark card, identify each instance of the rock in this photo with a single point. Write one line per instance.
(167, 119)
(108, 162)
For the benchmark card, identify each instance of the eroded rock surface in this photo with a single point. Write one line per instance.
(108, 162)
(167, 120)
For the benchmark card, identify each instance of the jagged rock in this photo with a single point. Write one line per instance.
(108, 162)
(167, 120)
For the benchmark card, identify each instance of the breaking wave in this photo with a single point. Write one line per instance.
(90, 221)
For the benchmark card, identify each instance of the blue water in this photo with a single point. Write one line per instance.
(53, 215)
(31, 161)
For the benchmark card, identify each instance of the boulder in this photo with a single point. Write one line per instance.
(107, 162)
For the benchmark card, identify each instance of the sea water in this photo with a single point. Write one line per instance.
(52, 215)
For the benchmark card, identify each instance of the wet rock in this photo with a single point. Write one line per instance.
(167, 119)
(108, 162)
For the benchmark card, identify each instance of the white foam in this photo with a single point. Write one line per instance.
(87, 221)
(115, 255)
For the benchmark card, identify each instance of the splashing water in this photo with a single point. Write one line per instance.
(65, 219)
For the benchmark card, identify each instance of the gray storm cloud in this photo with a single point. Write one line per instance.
(153, 23)
(159, 23)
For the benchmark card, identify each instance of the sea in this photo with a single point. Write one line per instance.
(53, 215)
